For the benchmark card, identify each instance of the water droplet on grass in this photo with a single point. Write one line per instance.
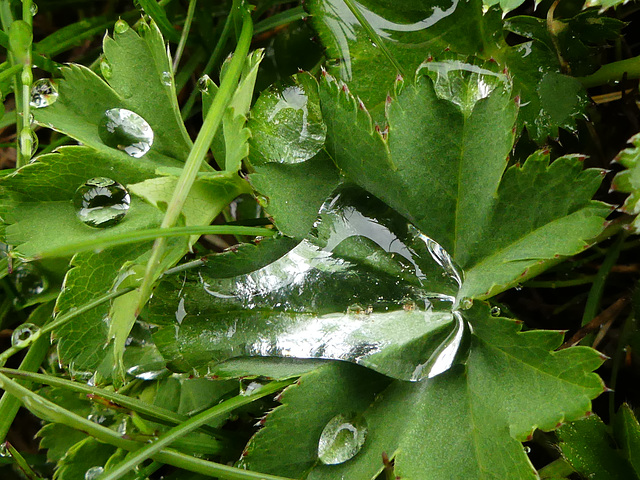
(166, 79)
(101, 202)
(23, 333)
(203, 84)
(342, 439)
(127, 131)
(93, 473)
(43, 93)
(33, 9)
(495, 311)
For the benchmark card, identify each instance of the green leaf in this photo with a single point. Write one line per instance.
(628, 181)
(292, 194)
(57, 439)
(369, 289)
(626, 431)
(81, 457)
(465, 423)
(441, 163)
(131, 60)
(230, 145)
(589, 448)
(408, 35)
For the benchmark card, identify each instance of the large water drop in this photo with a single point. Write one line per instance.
(342, 439)
(29, 281)
(44, 92)
(23, 333)
(93, 473)
(127, 131)
(101, 202)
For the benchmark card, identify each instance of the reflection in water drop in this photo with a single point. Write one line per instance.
(203, 83)
(44, 92)
(167, 79)
(101, 202)
(342, 439)
(4, 451)
(465, 80)
(23, 333)
(495, 311)
(121, 26)
(33, 9)
(366, 287)
(93, 473)
(127, 131)
(29, 281)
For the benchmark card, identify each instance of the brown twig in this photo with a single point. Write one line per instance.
(607, 316)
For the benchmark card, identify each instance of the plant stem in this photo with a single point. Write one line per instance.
(279, 19)
(557, 469)
(101, 243)
(197, 154)
(61, 320)
(25, 139)
(9, 405)
(52, 412)
(597, 289)
(185, 34)
(21, 463)
(614, 71)
(560, 283)
(193, 423)
(373, 36)
(627, 330)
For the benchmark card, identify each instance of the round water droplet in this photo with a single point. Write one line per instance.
(121, 26)
(527, 449)
(203, 83)
(23, 333)
(127, 131)
(33, 9)
(101, 202)
(93, 473)
(105, 69)
(166, 78)
(29, 281)
(342, 438)
(44, 92)
(4, 451)
(495, 311)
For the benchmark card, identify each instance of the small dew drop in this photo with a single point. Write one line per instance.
(101, 202)
(33, 9)
(355, 309)
(121, 26)
(495, 311)
(43, 93)
(4, 451)
(166, 79)
(127, 131)
(342, 439)
(203, 84)
(105, 69)
(527, 449)
(250, 388)
(93, 473)
(23, 333)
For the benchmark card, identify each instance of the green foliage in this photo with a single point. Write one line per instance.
(420, 170)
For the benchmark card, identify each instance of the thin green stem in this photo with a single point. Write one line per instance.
(373, 36)
(9, 405)
(185, 34)
(25, 139)
(193, 423)
(614, 71)
(21, 463)
(213, 61)
(138, 236)
(627, 329)
(52, 412)
(559, 468)
(560, 283)
(61, 320)
(144, 409)
(197, 154)
(279, 19)
(597, 289)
